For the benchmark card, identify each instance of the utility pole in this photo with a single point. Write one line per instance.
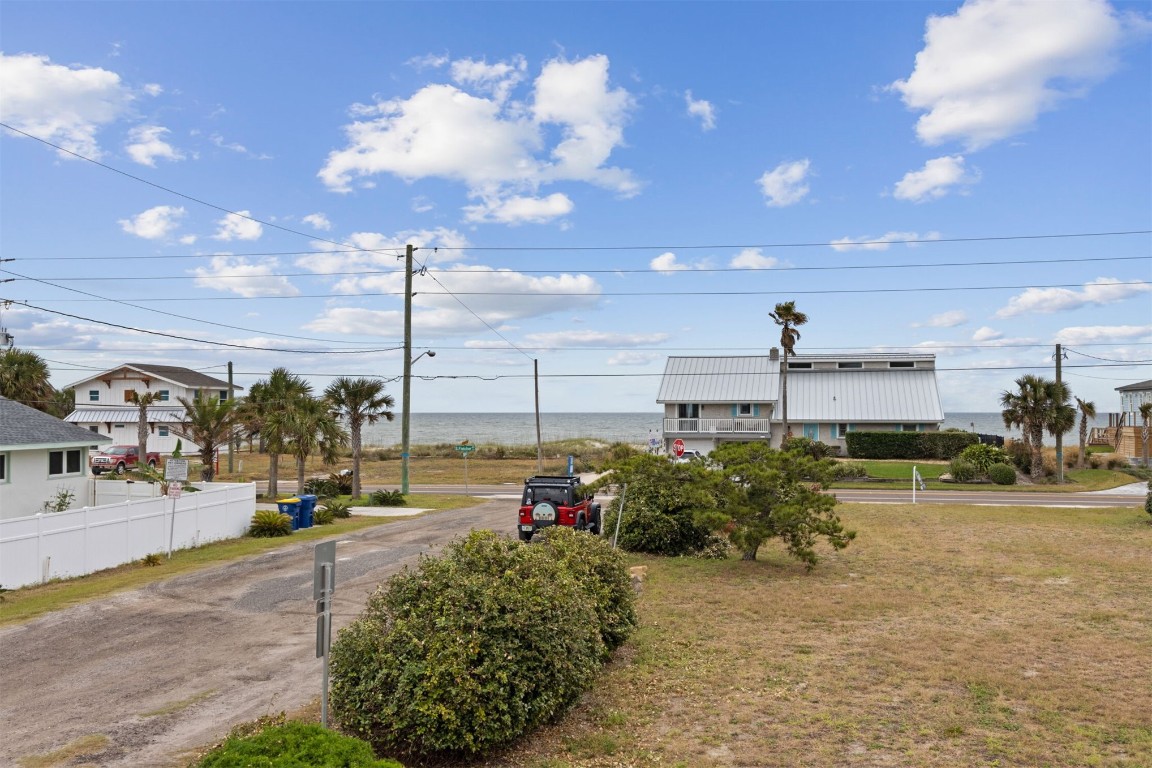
(539, 444)
(407, 395)
(1059, 434)
(232, 439)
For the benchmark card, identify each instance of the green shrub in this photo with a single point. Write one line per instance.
(1002, 474)
(338, 509)
(983, 456)
(672, 533)
(848, 469)
(1148, 499)
(467, 651)
(908, 445)
(963, 471)
(809, 447)
(294, 745)
(384, 498)
(267, 523)
(323, 516)
(604, 573)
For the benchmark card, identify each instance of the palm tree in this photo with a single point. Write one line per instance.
(209, 423)
(787, 317)
(311, 427)
(1146, 415)
(63, 402)
(1038, 405)
(142, 402)
(360, 401)
(24, 377)
(264, 410)
(1087, 411)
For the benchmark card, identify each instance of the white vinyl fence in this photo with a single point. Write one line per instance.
(80, 541)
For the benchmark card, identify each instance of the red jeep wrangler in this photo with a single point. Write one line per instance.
(556, 501)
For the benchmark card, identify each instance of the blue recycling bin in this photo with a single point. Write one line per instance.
(307, 508)
(291, 507)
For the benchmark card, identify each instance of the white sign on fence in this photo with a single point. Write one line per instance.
(176, 469)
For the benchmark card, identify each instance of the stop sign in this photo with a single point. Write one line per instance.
(678, 447)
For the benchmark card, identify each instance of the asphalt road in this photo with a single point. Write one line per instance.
(162, 670)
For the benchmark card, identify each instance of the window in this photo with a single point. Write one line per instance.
(223, 395)
(128, 395)
(93, 395)
(850, 365)
(64, 462)
(688, 411)
(162, 431)
(792, 366)
(163, 395)
(911, 427)
(3, 467)
(843, 429)
(744, 409)
(94, 428)
(901, 364)
(118, 426)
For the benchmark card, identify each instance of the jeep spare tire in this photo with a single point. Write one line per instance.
(544, 513)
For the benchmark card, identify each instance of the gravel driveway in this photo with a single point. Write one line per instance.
(165, 669)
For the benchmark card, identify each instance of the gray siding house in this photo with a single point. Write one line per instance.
(40, 456)
(710, 400)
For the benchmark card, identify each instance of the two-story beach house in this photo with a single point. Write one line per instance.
(103, 405)
(710, 400)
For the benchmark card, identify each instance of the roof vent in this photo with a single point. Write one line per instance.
(774, 354)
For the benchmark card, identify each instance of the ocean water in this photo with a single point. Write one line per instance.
(634, 428)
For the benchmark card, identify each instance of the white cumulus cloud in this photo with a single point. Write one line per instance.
(949, 319)
(235, 274)
(520, 209)
(936, 179)
(987, 71)
(561, 339)
(319, 221)
(667, 264)
(474, 132)
(64, 105)
(154, 223)
(1103, 290)
(881, 243)
(634, 358)
(147, 143)
(753, 258)
(786, 184)
(1105, 334)
(235, 226)
(702, 110)
(985, 333)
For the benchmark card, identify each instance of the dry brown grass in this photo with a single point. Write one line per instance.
(943, 636)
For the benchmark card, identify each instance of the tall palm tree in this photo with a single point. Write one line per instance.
(24, 377)
(311, 427)
(1087, 411)
(63, 402)
(1146, 415)
(142, 402)
(264, 413)
(360, 401)
(1038, 405)
(787, 317)
(209, 423)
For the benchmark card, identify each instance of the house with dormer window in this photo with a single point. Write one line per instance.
(711, 400)
(104, 406)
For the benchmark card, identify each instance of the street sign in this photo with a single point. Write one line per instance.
(176, 469)
(325, 554)
(174, 491)
(678, 447)
(465, 448)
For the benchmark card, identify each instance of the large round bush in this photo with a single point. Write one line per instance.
(1002, 474)
(466, 651)
(962, 471)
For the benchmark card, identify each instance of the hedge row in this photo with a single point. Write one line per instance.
(472, 649)
(908, 445)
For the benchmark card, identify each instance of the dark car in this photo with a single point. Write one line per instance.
(556, 501)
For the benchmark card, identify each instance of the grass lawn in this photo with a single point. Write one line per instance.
(943, 636)
(894, 473)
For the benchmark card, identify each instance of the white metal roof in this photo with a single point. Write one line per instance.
(125, 415)
(895, 395)
(747, 379)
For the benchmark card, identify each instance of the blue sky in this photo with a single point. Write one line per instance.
(594, 186)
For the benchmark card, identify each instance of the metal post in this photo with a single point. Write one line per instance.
(407, 396)
(620, 514)
(232, 438)
(913, 484)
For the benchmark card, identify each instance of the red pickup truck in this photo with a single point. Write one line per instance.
(117, 458)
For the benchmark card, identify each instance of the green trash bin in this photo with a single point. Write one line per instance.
(291, 507)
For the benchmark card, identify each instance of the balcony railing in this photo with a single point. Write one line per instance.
(717, 426)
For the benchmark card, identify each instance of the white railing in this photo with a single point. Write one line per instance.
(61, 545)
(718, 426)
